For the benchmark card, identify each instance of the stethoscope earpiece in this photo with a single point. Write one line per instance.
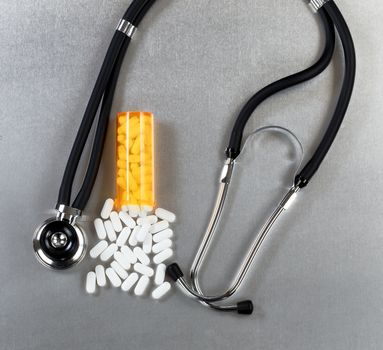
(59, 243)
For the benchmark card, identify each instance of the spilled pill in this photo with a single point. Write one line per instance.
(147, 208)
(129, 254)
(151, 219)
(160, 274)
(119, 270)
(108, 252)
(130, 282)
(160, 236)
(100, 228)
(122, 259)
(147, 245)
(141, 285)
(141, 256)
(107, 208)
(165, 215)
(113, 277)
(123, 236)
(164, 255)
(98, 249)
(90, 283)
(142, 233)
(134, 210)
(142, 214)
(132, 239)
(127, 219)
(159, 226)
(116, 222)
(161, 291)
(100, 276)
(143, 269)
(112, 236)
(159, 247)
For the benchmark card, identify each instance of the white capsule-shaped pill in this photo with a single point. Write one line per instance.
(148, 243)
(114, 279)
(107, 208)
(142, 233)
(125, 208)
(132, 239)
(134, 210)
(164, 214)
(123, 260)
(127, 219)
(130, 282)
(150, 220)
(100, 228)
(164, 255)
(141, 256)
(161, 291)
(116, 222)
(141, 286)
(147, 208)
(108, 252)
(142, 214)
(119, 270)
(159, 277)
(123, 237)
(143, 269)
(90, 283)
(100, 276)
(130, 256)
(98, 249)
(112, 236)
(159, 247)
(159, 226)
(161, 236)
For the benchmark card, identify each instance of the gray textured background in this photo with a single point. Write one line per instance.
(318, 282)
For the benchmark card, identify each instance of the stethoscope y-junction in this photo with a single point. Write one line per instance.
(60, 242)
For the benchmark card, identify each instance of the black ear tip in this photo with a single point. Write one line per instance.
(245, 307)
(174, 272)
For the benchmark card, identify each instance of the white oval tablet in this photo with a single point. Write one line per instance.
(150, 220)
(142, 233)
(147, 245)
(109, 252)
(161, 291)
(147, 208)
(107, 208)
(142, 214)
(143, 269)
(100, 276)
(116, 222)
(141, 256)
(160, 274)
(159, 226)
(100, 228)
(134, 210)
(129, 254)
(141, 286)
(127, 219)
(98, 249)
(160, 236)
(159, 247)
(123, 237)
(119, 270)
(130, 282)
(164, 214)
(113, 277)
(132, 239)
(90, 283)
(123, 260)
(112, 236)
(164, 255)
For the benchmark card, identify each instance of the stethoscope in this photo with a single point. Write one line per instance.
(60, 242)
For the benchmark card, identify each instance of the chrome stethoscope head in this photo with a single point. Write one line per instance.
(59, 243)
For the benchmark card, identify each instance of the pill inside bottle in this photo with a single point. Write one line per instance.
(135, 160)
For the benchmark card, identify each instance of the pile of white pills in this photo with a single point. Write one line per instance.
(133, 246)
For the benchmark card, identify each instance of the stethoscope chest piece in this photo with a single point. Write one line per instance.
(59, 243)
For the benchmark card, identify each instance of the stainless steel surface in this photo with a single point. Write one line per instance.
(127, 28)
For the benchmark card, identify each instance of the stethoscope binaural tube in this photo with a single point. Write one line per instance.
(330, 15)
(60, 243)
